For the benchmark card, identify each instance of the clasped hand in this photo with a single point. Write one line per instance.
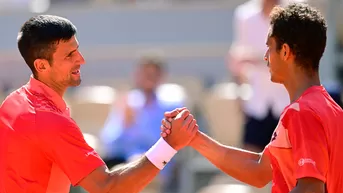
(179, 127)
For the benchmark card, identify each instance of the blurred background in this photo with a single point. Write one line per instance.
(145, 57)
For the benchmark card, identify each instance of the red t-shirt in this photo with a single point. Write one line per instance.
(42, 148)
(307, 142)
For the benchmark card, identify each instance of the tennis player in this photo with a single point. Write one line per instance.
(42, 150)
(304, 154)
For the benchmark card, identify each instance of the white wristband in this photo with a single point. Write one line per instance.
(160, 153)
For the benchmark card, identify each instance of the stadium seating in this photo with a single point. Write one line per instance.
(222, 110)
(90, 106)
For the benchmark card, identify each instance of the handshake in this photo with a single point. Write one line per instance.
(179, 128)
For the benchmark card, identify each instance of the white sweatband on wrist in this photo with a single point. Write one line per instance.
(160, 153)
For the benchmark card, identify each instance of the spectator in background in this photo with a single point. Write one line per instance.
(335, 91)
(251, 23)
(131, 126)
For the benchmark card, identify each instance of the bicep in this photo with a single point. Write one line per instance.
(97, 181)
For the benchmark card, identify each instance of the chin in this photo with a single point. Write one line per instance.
(75, 83)
(275, 80)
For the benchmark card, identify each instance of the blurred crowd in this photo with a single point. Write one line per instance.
(123, 122)
(28, 4)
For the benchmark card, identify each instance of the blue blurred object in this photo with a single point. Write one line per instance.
(335, 91)
(126, 141)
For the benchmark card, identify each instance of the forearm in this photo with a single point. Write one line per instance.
(240, 164)
(133, 177)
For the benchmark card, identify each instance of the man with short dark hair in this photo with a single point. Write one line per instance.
(304, 152)
(42, 149)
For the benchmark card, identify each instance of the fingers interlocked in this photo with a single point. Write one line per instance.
(189, 123)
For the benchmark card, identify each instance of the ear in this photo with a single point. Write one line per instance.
(41, 65)
(286, 52)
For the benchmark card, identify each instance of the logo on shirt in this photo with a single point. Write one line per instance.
(280, 137)
(274, 136)
(304, 161)
(91, 153)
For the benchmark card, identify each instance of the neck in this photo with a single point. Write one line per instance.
(53, 85)
(300, 82)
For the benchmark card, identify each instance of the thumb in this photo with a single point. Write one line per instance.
(173, 113)
(182, 115)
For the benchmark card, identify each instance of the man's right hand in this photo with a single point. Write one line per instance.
(184, 127)
(166, 122)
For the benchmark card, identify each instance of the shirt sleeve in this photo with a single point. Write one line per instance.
(63, 143)
(309, 145)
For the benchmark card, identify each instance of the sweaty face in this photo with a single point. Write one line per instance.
(277, 67)
(67, 60)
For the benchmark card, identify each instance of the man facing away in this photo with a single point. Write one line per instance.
(304, 154)
(42, 149)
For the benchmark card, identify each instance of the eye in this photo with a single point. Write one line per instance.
(69, 55)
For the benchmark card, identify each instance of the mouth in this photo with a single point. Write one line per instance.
(76, 72)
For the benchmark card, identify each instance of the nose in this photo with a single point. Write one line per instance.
(81, 59)
(266, 55)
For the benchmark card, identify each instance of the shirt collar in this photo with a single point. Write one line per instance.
(313, 89)
(41, 88)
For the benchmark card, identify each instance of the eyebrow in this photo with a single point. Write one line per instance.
(73, 50)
